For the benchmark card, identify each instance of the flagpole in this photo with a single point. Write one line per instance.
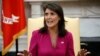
(16, 46)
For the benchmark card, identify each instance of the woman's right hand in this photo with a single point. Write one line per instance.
(25, 53)
(83, 52)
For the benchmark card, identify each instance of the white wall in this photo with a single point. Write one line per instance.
(90, 27)
(89, 14)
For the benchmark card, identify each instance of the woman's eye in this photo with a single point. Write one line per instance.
(46, 14)
(52, 13)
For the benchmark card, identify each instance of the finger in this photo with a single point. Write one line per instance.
(84, 50)
(25, 53)
(87, 53)
(30, 54)
(20, 54)
(80, 53)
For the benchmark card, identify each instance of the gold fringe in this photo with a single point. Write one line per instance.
(0, 32)
(4, 51)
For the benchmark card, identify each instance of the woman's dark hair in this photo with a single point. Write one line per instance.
(61, 24)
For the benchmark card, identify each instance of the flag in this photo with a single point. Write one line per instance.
(0, 15)
(13, 22)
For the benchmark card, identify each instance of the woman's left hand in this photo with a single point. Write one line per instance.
(83, 52)
(25, 53)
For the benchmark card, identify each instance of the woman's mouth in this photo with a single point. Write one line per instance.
(49, 21)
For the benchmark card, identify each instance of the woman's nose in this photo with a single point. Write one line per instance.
(49, 16)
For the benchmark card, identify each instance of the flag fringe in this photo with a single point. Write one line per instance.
(4, 51)
(0, 32)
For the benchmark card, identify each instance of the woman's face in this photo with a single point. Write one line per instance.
(51, 18)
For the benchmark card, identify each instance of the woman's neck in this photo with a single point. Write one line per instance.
(53, 35)
(53, 30)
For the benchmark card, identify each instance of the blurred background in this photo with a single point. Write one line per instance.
(88, 11)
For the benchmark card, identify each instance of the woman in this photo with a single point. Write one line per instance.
(52, 39)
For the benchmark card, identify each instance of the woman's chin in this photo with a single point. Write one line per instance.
(50, 26)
